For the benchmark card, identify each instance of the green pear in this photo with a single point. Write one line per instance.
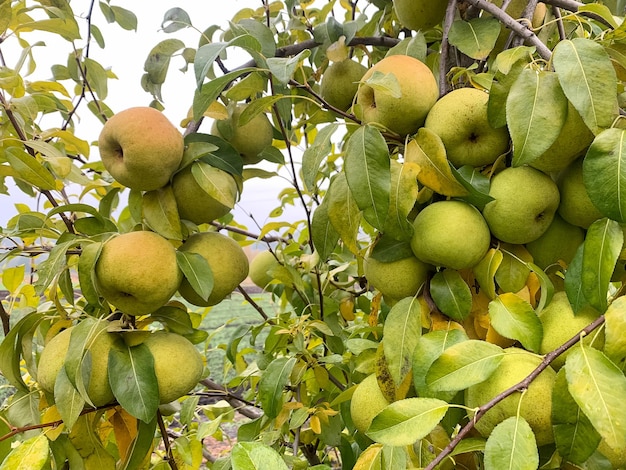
(420, 14)
(396, 93)
(396, 279)
(140, 148)
(460, 119)
(227, 261)
(137, 272)
(560, 324)
(451, 234)
(367, 401)
(178, 365)
(260, 268)
(204, 203)
(558, 243)
(525, 201)
(576, 206)
(249, 139)
(536, 402)
(572, 142)
(340, 83)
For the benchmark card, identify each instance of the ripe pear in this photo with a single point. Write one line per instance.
(420, 14)
(460, 119)
(260, 268)
(227, 261)
(195, 203)
(137, 272)
(572, 142)
(140, 148)
(178, 365)
(249, 139)
(536, 406)
(617, 458)
(405, 91)
(560, 324)
(451, 234)
(367, 401)
(525, 201)
(558, 243)
(576, 206)
(340, 83)
(396, 279)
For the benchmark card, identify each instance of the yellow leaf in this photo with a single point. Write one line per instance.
(346, 308)
(124, 428)
(485, 271)
(316, 426)
(12, 278)
(50, 416)
(496, 338)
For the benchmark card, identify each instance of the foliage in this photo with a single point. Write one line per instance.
(292, 373)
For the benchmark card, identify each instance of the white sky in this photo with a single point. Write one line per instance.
(125, 54)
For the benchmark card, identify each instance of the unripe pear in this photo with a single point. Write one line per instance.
(576, 206)
(367, 401)
(260, 267)
(396, 279)
(420, 14)
(340, 83)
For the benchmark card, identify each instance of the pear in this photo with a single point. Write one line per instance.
(525, 201)
(396, 279)
(399, 96)
(140, 148)
(137, 272)
(367, 401)
(260, 268)
(227, 261)
(576, 206)
(420, 14)
(340, 83)
(558, 243)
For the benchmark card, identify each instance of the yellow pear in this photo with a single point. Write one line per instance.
(178, 364)
(195, 203)
(340, 83)
(420, 14)
(228, 263)
(140, 148)
(558, 243)
(137, 272)
(367, 401)
(399, 97)
(396, 279)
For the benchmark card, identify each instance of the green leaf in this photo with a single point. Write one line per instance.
(604, 173)
(86, 272)
(476, 184)
(574, 435)
(31, 454)
(588, 80)
(429, 347)
(536, 109)
(573, 281)
(97, 77)
(451, 294)
(370, 459)
(394, 457)
(11, 348)
(599, 388)
(161, 213)
(514, 318)
(402, 327)
(197, 271)
(53, 265)
(174, 20)
(615, 331)
(323, 234)
(125, 18)
(404, 422)
(68, 400)
(283, 68)
(601, 249)
(158, 59)
(388, 249)
(142, 445)
(475, 38)
(133, 380)
(368, 173)
(343, 211)
(211, 90)
(315, 154)
(512, 274)
(402, 196)
(486, 269)
(512, 446)
(29, 169)
(176, 319)
(208, 178)
(508, 65)
(464, 364)
(272, 385)
(256, 456)
(208, 53)
(213, 150)
(413, 46)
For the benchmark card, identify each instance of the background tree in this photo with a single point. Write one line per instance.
(458, 167)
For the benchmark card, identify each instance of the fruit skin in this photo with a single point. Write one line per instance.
(249, 139)
(177, 364)
(572, 142)
(460, 119)
(137, 272)
(227, 261)
(536, 406)
(420, 14)
(405, 114)
(452, 234)
(53, 359)
(559, 242)
(397, 279)
(525, 202)
(576, 206)
(560, 324)
(340, 83)
(617, 458)
(140, 148)
(194, 203)
(367, 401)
(260, 265)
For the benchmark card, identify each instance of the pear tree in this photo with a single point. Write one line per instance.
(450, 293)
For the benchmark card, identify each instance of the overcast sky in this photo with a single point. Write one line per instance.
(125, 54)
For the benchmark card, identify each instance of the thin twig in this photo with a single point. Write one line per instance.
(445, 45)
(166, 442)
(556, 11)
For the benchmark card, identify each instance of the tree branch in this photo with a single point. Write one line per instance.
(236, 402)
